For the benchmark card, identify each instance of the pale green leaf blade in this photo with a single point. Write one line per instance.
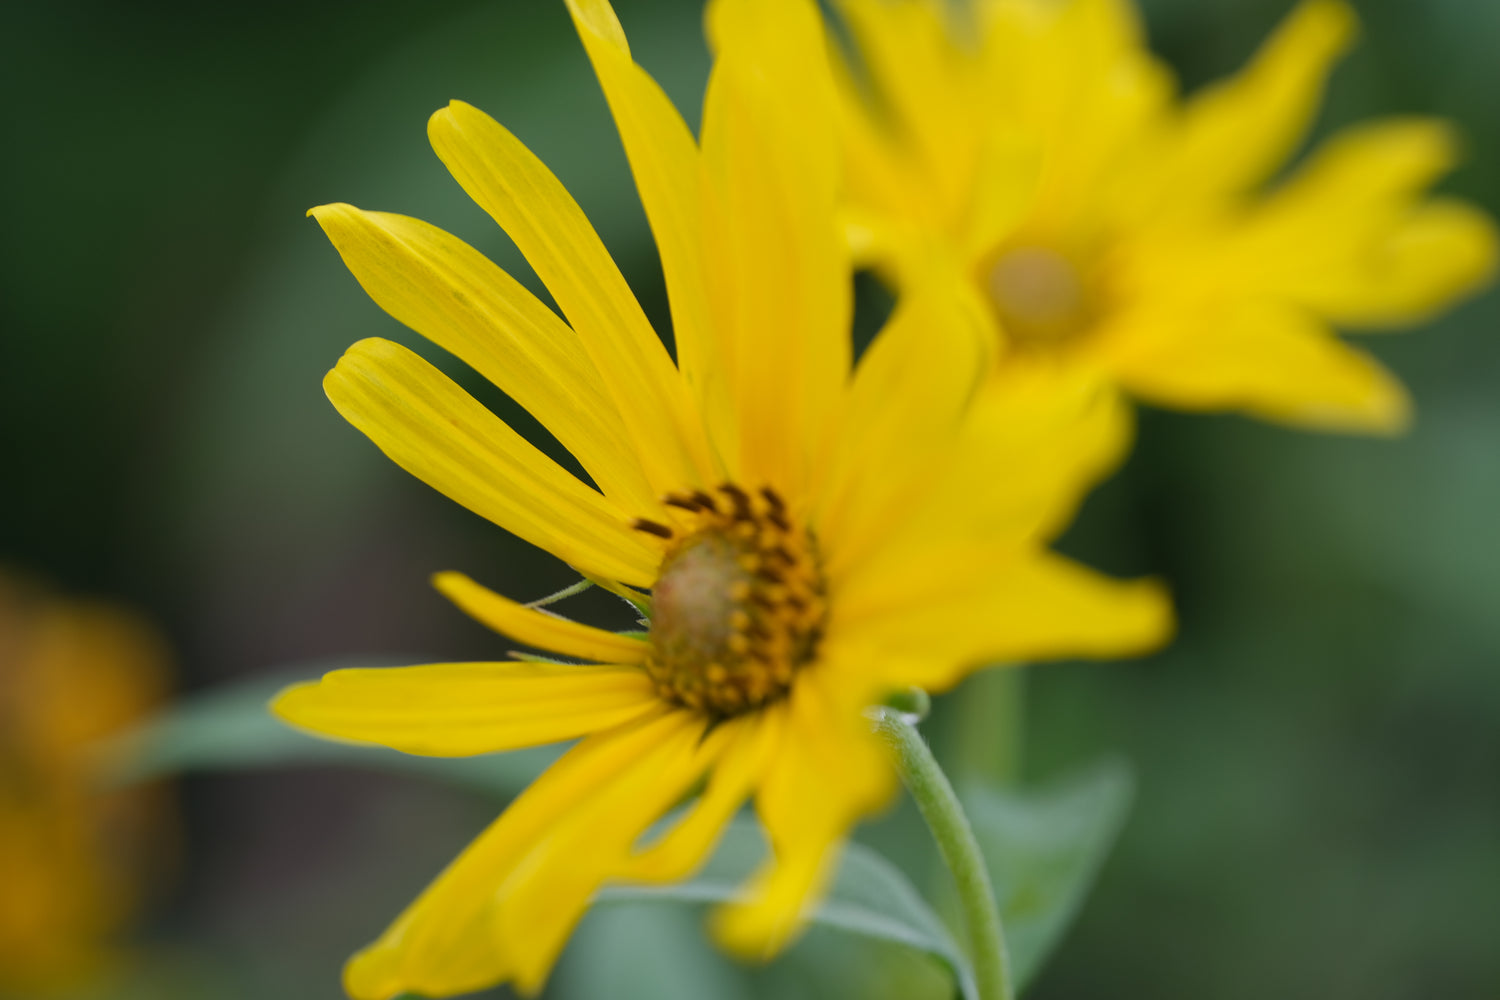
(642, 951)
(869, 897)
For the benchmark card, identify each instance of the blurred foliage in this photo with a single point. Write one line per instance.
(1318, 753)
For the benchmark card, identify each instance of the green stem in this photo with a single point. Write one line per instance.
(950, 828)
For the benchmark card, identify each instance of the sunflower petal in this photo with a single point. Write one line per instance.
(1036, 438)
(957, 610)
(828, 773)
(536, 211)
(909, 396)
(749, 744)
(461, 709)
(483, 921)
(780, 286)
(1350, 236)
(544, 896)
(664, 160)
(440, 434)
(881, 175)
(538, 628)
(1076, 78)
(457, 298)
(928, 86)
(1435, 255)
(1275, 362)
(1007, 180)
(1232, 136)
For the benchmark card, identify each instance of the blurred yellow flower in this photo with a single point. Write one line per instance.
(811, 538)
(72, 857)
(1121, 233)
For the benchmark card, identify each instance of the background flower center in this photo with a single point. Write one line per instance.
(1039, 294)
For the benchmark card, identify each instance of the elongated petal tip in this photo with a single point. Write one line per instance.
(1476, 244)
(1370, 401)
(447, 581)
(305, 707)
(322, 212)
(342, 369)
(1148, 616)
(302, 707)
(370, 975)
(1387, 411)
(440, 121)
(760, 926)
(1328, 25)
(598, 18)
(1125, 618)
(278, 704)
(739, 931)
(452, 116)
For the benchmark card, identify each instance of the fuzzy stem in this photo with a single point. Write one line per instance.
(950, 828)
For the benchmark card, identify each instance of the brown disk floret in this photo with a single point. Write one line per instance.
(739, 603)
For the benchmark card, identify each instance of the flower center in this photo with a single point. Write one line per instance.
(1039, 294)
(738, 606)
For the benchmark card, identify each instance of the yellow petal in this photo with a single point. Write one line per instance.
(1437, 254)
(537, 627)
(882, 176)
(910, 394)
(534, 209)
(927, 86)
(461, 709)
(749, 743)
(545, 894)
(957, 610)
(780, 287)
(828, 773)
(1035, 440)
(1272, 361)
(481, 923)
(440, 434)
(453, 295)
(1007, 178)
(1041, 434)
(1078, 77)
(1233, 135)
(1351, 237)
(664, 159)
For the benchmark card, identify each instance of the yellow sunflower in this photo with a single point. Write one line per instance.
(812, 533)
(1039, 148)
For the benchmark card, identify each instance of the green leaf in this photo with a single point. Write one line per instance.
(230, 728)
(1044, 849)
(643, 951)
(869, 897)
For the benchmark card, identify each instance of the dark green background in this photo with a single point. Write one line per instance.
(1319, 812)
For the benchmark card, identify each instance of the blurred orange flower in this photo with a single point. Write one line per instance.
(73, 856)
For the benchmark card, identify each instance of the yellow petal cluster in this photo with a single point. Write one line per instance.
(853, 506)
(72, 857)
(1158, 243)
